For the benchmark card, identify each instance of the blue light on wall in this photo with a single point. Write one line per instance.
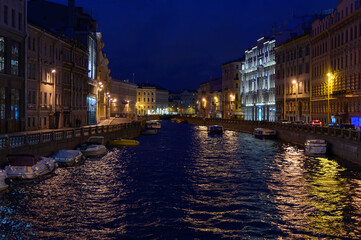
(356, 121)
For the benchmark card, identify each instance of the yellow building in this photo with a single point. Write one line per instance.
(151, 100)
(103, 82)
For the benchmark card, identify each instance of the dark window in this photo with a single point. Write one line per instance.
(20, 22)
(13, 18)
(2, 103)
(6, 14)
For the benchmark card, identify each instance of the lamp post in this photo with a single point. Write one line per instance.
(204, 106)
(329, 78)
(296, 103)
(53, 71)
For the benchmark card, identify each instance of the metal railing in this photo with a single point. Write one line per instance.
(350, 134)
(19, 140)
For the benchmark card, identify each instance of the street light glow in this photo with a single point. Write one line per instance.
(53, 71)
(294, 81)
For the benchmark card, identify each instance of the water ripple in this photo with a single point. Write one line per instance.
(184, 184)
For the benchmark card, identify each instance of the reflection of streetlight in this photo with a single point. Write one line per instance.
(296, 103)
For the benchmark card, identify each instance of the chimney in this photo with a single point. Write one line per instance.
(71, 17)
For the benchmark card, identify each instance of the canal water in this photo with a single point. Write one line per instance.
(184, 184)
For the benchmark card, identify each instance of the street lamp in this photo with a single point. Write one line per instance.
(296, 103)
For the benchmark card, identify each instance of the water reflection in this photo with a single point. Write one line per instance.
(312, 196)
(186, 184)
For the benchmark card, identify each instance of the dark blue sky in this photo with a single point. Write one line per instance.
(182, 43)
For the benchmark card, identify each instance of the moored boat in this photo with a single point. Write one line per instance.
(68, 157)
(153, 125)
(264, 133)
(28, 166)
(123, 142)
(315, 147)
(181, 120)
(215, 130)
(150, 131)
(3, 176)
(94, 147)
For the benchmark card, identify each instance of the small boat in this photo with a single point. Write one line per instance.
(3, 176)
(174, 119)
(68, 157)
(28, 166)
(153, 125)
(180, 120)
(215, 130)
(315, 147)
(150, 131)
(264, 133)
(94, 147)
(123, 142)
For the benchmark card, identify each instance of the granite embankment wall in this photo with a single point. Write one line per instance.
(45, 143)
(345, 144)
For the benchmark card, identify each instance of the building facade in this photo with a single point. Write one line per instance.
(258, 83)
(152, 100)
(293, 80)
(336, 65)
(13, 32)
(123, 98)
(76, 24)
(209, 101)
(230, 88)
(103, 82)
(57, 81)
(188, 102)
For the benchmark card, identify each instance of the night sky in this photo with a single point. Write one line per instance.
(179, 44)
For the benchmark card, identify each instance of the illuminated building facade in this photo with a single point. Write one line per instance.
(103, 82)
(152, 100)
(13, 31)
(258, 83)
(336, 65)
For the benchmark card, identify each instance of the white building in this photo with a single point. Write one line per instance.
(258, 81)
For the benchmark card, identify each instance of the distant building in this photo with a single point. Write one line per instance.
(152, 99)
(123, 98)
(188, 102)
(336, 65)
(230, 88)
(174, 103)
(13, 25)
(210, 99)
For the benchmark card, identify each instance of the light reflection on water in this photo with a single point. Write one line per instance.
(185, 184)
